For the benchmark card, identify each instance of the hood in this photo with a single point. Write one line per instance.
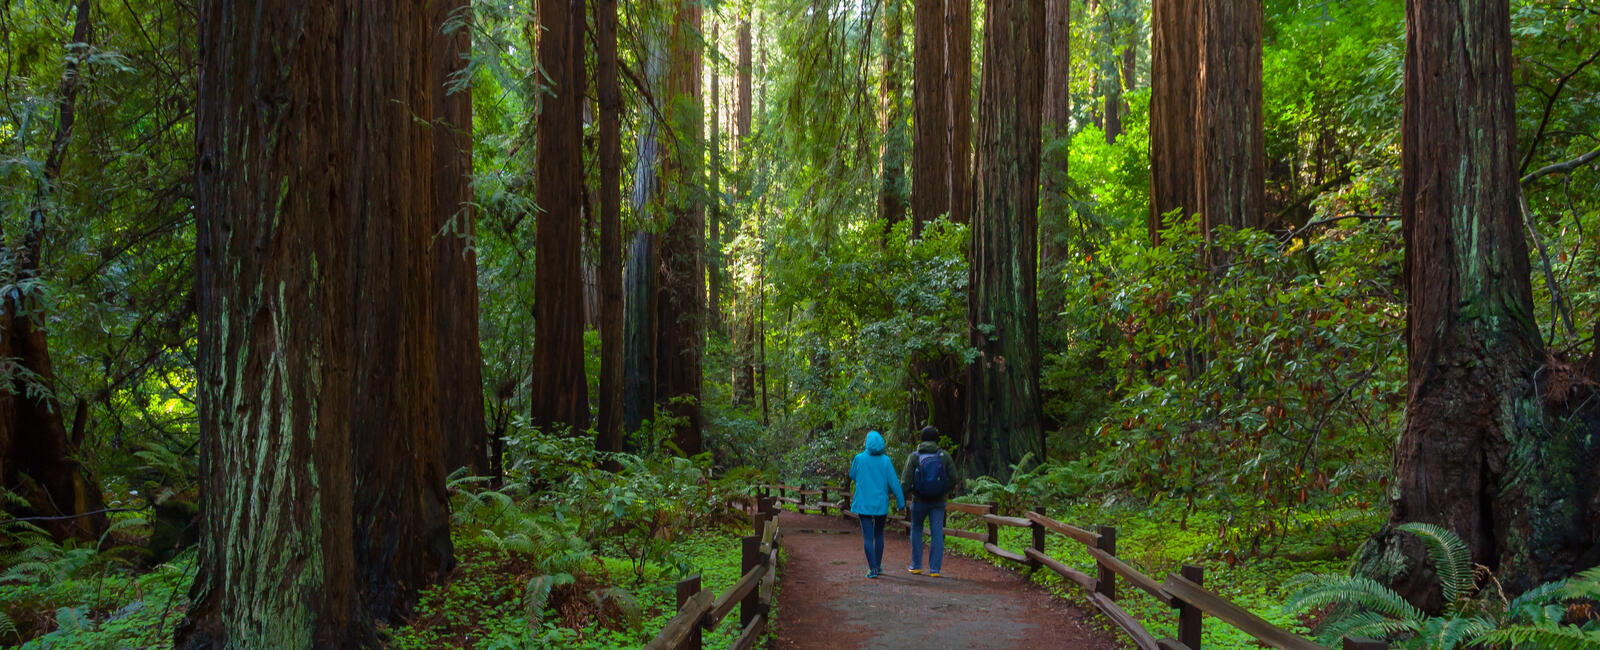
(875, 443)
(928, 447)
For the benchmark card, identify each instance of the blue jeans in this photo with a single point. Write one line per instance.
(872, 540)
(934, 513)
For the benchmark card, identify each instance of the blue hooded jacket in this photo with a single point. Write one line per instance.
(874, 478)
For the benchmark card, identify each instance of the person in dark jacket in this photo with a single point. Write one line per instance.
(872, 474)
(929, 474)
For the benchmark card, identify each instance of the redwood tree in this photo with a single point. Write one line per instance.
(958, 91)
(611, 316)
(1174, 73)
(1229, 154)
(680, 311)
(930, 149)
(316, 207)
(1004, 412)
(1479, 453)
(466, 440)
(560, 388)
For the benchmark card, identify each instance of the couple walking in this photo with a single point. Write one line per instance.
(928, 474)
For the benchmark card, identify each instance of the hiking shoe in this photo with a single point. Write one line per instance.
(933, 574)
(916, 571)
(872, 574)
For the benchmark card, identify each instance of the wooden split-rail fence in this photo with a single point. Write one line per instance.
(1183, 591)
(700, 610)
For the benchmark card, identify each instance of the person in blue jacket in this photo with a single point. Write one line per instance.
(874, 478)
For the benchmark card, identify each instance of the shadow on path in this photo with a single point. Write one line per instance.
(824, 600)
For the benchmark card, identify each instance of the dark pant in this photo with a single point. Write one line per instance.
(872, 540)
(934, 513)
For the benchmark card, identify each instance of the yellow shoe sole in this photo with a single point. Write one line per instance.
(916, 571)
(933, 575)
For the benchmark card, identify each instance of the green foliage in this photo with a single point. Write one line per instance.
(1476, 612)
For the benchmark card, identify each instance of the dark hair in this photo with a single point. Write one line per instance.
(930, 434)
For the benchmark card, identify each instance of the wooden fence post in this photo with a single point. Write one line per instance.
(752, 558)
(687, 588)
(1189, 615)
(1106, 580)
(994, 529)
(802, 506)
(1038, 538)
(1362, 643)
(824, 500)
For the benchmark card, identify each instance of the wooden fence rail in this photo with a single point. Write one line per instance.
(1183, 591)
(700, 610)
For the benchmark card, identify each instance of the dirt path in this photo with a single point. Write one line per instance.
(825, 602)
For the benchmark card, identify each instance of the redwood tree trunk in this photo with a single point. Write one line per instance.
(930, 149)
(310, 163)
(1478, 453)
(1056, 122)
(680, 312)
(1174, 72)
(1004, 415)
(461, 415)
(37, 457)
(560, 389)
(958, 78)
(1229, 155)
(611, 269)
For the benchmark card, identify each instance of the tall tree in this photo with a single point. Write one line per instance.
(930, 148)
(1174, 73)
(1056, 123)
(611, 268)
(1229, 152)
(1479, 453)
(37, 455)
(460, 359)
(714, 272)
(1004, 414)
(560, 390)
(680, 311)
(316, 207)
(744, 330)
(958, 81)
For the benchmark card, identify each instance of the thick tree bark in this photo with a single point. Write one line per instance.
(316, 207)
(460, 359)
(930, 147)
(744, 84)
(680, 314)
(37, 457)
(1004, 415)
(1230, 159)
(1478, 453)
(560, 390)
(1174, 72)
(611, 268)
(958, 78)
(640, 291)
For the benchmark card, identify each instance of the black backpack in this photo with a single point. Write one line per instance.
(932, 477)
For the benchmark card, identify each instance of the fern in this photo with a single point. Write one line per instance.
(7, 627)
(1565, 637)
(1452, 561)
(1449, 633)
(1322, 590)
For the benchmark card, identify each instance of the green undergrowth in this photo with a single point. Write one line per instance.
(67, 607)
(486, 603)
(1157, 541)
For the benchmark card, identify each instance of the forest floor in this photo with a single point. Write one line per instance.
(824, 600)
